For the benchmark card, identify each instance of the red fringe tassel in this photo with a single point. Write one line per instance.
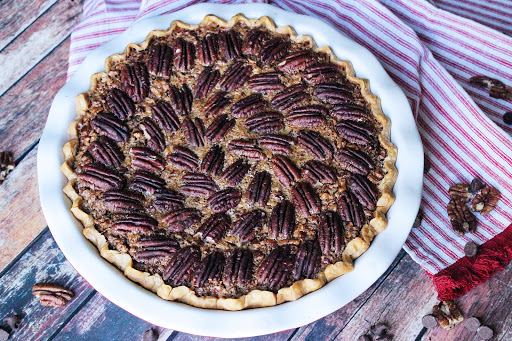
(467, 272)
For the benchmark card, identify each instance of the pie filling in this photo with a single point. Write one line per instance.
(228, 159)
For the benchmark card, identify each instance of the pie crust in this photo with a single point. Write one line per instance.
(255, 298)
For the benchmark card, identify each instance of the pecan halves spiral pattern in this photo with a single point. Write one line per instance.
(354, 132)
(153, 248)
(168, 200)
(248, 106)
(208, 48)
(146, 159)
(285, 170)
(265, 122)
(184, 53)
(322, 73)
(307, 260)
(239, 269)
(265, 82)
(146, 182)
(120, 104)
(315, 144)
(209, 270)
(100, 178)
(107, 152)
(121, 202)
(213, 161)
(355, 161)
(206, 82)
(52, 295)
(282, 221)
(181, 99)
(349, 112)
(297, 61)
(306, 199)
(331, 233)
(193, 129)
(290, 98)
(258, 191)
(154, 137)
(254, 41)
(364, 191)
(277, 143)
(160, 60)
(229, 44)
(350, 209)
(247, 148)
(184, 158)
(181, 265)
(246, 226)
(235, 76)
(235, 172)
(135, 79)
(332, 93)
(214, 228)
(273, 50)
(109, 126)
(316, 171)
(198, 185)
(164, 114)
(134, 224)
(276, 268)
(216, 103)
(224, 200)
(181, 218)
(462, 219)
(219, 127)
(307, 116)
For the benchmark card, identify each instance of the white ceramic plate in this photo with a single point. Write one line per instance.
(111, 283)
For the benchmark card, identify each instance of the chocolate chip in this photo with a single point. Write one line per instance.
(364, 338)
(426, 165)
(385, 337)
(470, 249)
(473, 323)
(485, 333)
(3, 335)
(476, 185)
(13, 321)
(379, 329)
(150, 335)
(418, 220)
(429, 321)
(507, 118)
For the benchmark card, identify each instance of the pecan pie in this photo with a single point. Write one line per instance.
(230, 165)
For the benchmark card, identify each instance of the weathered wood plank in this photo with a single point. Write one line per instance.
(42, 262)
(271, 337)
(17, 15)
(39, 39)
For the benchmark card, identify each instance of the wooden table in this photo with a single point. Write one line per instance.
(34, 47)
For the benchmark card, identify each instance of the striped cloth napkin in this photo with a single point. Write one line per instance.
(430, 53)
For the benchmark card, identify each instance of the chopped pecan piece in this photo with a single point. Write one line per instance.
(254, 41)
(164, 114)
(146, 182)
(220, 126)
(278, 143)
(275, 269)
(247, 148)
(486, 82)
(181, 99)
(209, 270)
(331, 233)
(120, 104)
(297, 61)
(273, 50)
(354, 132)
(230, 44)
(216, 103)
(153, 248)
(355, 161)
(461, 217)
(181, 265)
(259, 189)
(322, 73)
(154, 137)
(6, 165)
(364, 191)
(206, 82)
(460, 192)
(194, 131)
(146, 159)
(184, 54)
(52, 295)
(350, 210)
(501, 93)
(265, 82)
(265, 122)
(315, 144)
(207, 48)
(306, 199)
(107, 152)
(134, 224)
(184, 158)
(213, 161)
(224, 200)
(160, 60)
(248, 106)
(109, 126)
(214, 228)
(285, 170)
(239, 268)
(485, 201)
(247, 225)
(307, 261)
(181, 218)
(282, 221)
(121, 202)
(349, 112)
(235, 172)
(307, 116)
(447, 314)
(316, 171)
(290, 98)
(235, 76)
(135, 79)
(168, 200)
(99, 178)
(198, 185)
(332, 93)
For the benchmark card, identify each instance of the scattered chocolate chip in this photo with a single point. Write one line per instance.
(485, 333)
(150, 335)
(470, 249)
(476, 186)
(4, 336)
(13, 321)
(418, 220)
(379, 329)
(364, 338)
(507, 117)
(429, 321)
(426, 165)
(473, 323)
(6, 165)
(385, 337)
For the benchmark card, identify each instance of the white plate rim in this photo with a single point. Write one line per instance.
(110, 282)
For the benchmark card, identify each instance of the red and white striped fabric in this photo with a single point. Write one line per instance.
(431, 54)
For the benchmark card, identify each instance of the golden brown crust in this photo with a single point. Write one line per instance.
(255, 298)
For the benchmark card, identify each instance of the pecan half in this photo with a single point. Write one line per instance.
(322, 73)
(120, 104)
(160, 60)
(290, 98)
(447, 314)
(6, 165)
(224, 200)
(275, 269)
(109, 126)
(52, 295)
(194, 131)
(146, 182)
(99, 178)
(235, 172)
(486, 82)
(349, 112)
(207, 48)
(307, 116)
(297, 61)
(135, 79)
(107, 152)
(206, 82)
(460, 192)
(239, 268)
(219, 127)
(209, 270)
(154, 137)
(164, 114)
(134, 224)
(485, 201)
(331, 233)
(355, 161)
(235, 76)
(306, 199)
(198, 185)
(307, 261)
(184, 158)
(258, 191)
(265, 122)
(247, 148)
(181, 99)
(349, 209)
(246, 226)
(153, 248)
(230, 44)
(121, 202)
(273, 50)
(254, 41)
(285, 170)
(216, 103)
(315, 144)
(181, 265)
(168, 200)
(461, 217)
(181, 218)
(364, 191)
(213, 161)
(184, 54)
(501, 93)
(214, 228)
(354, 132)
(315, 171)
(278, 143)
(282, 221)
(146, 159)
(248, 106)
(265, 82)
(332, 93)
